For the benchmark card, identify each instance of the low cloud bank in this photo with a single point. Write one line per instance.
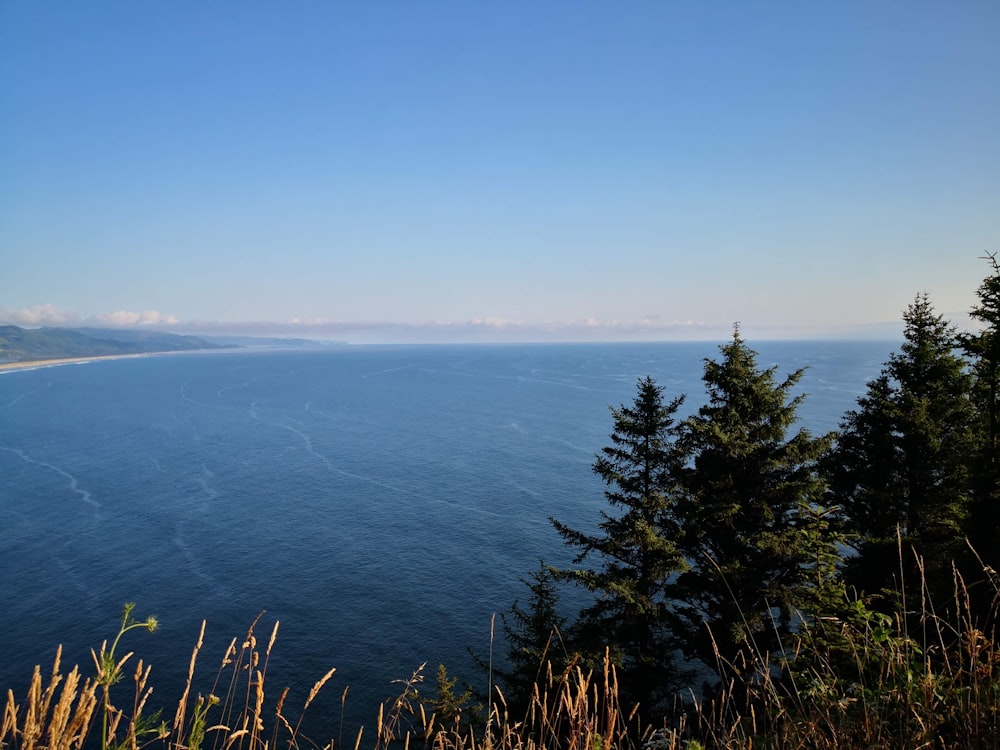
(478, 330)
(39, 315)
(125, 318)
(488, 329)
(49, 315)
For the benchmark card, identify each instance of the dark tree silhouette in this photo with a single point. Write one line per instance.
(902, 458)
(634, 559)
(747, 524)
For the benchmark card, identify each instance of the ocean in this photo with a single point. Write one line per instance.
(381, 502)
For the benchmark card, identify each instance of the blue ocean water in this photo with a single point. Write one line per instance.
(381, 502)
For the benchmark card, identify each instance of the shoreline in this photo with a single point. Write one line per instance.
(36, 364)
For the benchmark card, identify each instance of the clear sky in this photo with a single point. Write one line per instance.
(500, 170)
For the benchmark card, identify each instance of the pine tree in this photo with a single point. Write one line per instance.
(635, 560)
(862, 468)
(901, 461)
(534, 641)
(748, 525)
(983, 349)
(449, 709)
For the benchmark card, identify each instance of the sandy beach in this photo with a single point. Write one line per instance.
(37, 363)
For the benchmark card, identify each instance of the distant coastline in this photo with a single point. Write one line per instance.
(22, 348)
(30, 348)
(39, 363)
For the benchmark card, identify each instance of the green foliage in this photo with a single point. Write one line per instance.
(863, 677)
(199, 721)
(24, 344)
(902, 457)
(634, 558)
(534, 638)
(983, 349)
(450, 709)
(747, 523)
(109, 672)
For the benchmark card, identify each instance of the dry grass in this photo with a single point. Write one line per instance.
(574, 710)
(238, 720)
(910, 677)
(48, 721)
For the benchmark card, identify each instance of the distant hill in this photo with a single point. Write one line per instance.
(30, 344)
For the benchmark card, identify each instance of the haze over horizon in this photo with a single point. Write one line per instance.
(448, 171)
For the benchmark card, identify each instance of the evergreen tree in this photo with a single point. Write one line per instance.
(748, 525)
(901, 459)
(450, 709)
(534, 641)
(635, 559)
(983, 349)
(862, 467)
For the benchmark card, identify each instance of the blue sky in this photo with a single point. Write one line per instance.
(429, 171)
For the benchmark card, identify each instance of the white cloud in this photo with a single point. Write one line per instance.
(48, 315)
(296, 321)
(39, 315)
(126, 318)
(495, 322)
(481, 329)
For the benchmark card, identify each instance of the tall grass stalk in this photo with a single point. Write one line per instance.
(873, 674)
(868, 676)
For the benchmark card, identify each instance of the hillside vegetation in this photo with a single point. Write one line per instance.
(31, 344)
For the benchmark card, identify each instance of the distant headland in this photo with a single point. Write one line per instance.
(40, 347)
